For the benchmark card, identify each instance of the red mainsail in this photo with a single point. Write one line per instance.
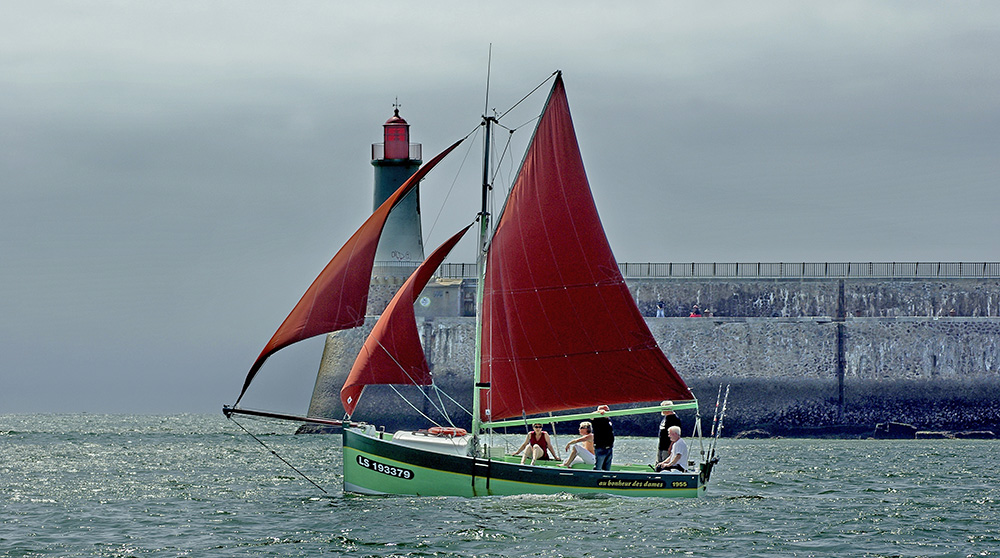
(392, 354)
(337, 299)
(560, 327)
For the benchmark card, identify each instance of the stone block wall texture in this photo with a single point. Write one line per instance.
(918, 350)
(794, 298)
(877, 349)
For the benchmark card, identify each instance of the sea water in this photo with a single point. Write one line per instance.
(192, 485)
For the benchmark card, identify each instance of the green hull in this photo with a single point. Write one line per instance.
(379, 466)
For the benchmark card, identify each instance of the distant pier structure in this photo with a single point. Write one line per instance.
(401, 248)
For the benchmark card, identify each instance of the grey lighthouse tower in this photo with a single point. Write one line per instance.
(399, 252)
(401, 248)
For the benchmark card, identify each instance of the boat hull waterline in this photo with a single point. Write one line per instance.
(374, 465)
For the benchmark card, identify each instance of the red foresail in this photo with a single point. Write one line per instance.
(561, 329)
(392, 354)
(337, 299)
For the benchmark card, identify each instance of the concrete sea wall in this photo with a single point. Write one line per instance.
(804, 357)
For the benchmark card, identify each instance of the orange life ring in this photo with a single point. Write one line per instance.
(448, 431)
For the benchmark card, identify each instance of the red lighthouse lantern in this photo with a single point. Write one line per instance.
(397, 137)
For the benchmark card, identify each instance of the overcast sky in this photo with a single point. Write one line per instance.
(174, 174)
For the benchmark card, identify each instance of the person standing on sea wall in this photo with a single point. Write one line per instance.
(604, 440)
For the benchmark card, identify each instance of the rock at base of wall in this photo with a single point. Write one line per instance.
(934, 435)
(894, 431)
(976, 435)
(755, 434)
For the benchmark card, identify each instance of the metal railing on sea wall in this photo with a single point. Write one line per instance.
(762, 270)
(831, 270)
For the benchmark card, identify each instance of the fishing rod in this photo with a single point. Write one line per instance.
(722, 417)
(715, 415)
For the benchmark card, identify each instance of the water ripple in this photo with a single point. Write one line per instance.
(192, 486)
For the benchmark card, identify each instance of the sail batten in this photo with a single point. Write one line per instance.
(562, 330)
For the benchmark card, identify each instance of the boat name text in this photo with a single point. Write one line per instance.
(618, 483)
(398, 472)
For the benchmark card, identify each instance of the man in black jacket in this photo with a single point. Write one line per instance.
(604, 440)
(669, 419)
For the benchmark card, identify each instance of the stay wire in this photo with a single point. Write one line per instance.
(439, 407)
(401, 396)
(274, 453)
(537, 87)
(440, 391)
(454, 180)
(414, 407)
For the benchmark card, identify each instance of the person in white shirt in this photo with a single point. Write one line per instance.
(678, 460)
(583, 447)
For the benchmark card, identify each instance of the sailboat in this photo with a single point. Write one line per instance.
(557, 335)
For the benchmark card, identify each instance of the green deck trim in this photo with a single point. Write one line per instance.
(587, 416)
(554, 464)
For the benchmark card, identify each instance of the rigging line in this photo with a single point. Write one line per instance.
(507, 156)
(356, 402)
(531, 120)
(452, 399)
(502, 156)
(494, 173)
(447, 417)
(518, 127)
(454, 181)
(439, 407)
(408, 376)
(274, 453)
(555, 439)
(504, 113)
(414, 407)
(438, 391)
(507, 150)
(507, 146)
(398, 364)
(701, 438)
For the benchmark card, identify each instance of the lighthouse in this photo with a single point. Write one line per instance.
(401, 248)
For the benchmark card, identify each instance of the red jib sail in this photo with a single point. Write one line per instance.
(392, 354)
(337, 299)
(561, 330)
